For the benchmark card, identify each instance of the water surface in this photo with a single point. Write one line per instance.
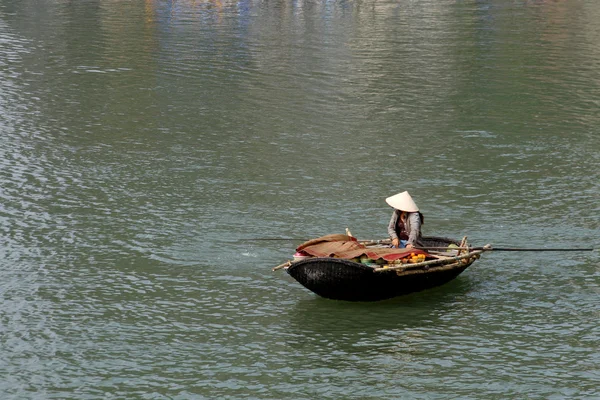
(144, 147)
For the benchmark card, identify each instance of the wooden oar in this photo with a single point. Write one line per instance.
(285, 264)
(288, 239)
(484, 248)
(374, 241)
(530, 249)
(491, 248)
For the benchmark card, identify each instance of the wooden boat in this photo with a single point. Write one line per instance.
(351, 280)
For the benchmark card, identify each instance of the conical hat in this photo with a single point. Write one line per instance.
(402, 201)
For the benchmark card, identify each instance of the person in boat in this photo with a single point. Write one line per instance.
(404, 228)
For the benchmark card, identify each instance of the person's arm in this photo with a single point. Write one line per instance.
(414, 221)
(392, 229)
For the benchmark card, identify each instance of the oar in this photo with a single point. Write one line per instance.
(491, 248)
(285, 264)
(369, 241)
(529, 249)
(484, 248)
(288, 239)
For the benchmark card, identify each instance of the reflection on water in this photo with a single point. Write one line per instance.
(320, 317)
(143, 146)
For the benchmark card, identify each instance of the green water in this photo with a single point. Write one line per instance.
(144, 146)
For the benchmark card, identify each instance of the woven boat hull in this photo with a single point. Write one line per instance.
(341, 279)
(338, 279)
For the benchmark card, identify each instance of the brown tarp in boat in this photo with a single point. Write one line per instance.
(347, 247)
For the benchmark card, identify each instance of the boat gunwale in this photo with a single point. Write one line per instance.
(442, 264)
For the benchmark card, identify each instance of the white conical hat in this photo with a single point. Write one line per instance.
(402, 201)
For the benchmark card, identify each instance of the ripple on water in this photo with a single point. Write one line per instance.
(142, 146)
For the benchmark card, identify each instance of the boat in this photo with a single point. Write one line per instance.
(340, 267)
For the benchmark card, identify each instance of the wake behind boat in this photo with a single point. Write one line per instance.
(340, 267)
